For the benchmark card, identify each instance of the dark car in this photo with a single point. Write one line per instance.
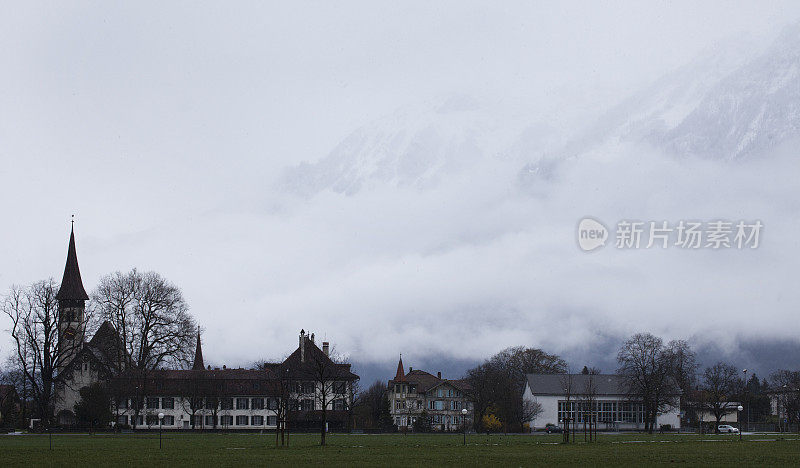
(552, 429)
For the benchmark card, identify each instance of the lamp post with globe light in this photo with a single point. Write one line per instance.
(740, 408)
(464, 422)
(747, 400)
(160, 422)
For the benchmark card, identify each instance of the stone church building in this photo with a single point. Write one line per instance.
(291, 393)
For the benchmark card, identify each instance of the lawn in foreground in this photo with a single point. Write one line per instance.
(411, 450)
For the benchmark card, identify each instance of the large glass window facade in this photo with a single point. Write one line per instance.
(601, 410)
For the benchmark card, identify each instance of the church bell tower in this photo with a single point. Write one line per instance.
(71, 299)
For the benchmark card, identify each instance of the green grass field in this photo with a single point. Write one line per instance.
(398, 450)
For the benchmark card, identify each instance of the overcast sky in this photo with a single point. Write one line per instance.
(174, 130)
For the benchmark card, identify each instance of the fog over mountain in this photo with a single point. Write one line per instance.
(710, 140)
(407, 178)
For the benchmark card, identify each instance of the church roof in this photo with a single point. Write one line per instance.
(71, 285)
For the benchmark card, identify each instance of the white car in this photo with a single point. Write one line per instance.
(726, 428)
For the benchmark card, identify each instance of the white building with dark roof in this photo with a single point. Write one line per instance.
(299, 392)
(583, 397)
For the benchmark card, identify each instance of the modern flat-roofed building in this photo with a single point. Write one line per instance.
(585, 397)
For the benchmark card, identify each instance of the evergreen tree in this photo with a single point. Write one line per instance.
(94, 407)
(385, 421)
(423, 423)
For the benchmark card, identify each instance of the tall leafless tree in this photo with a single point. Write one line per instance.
(720, 383)
(499, 383)
(646, 367)
(331, 380)
(38, 355)
(152, 319)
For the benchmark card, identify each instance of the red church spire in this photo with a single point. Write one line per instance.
(401, 373)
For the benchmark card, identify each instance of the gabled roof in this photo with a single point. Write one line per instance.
(217, 382)
(105, 348)
(556, 384)
(426, 382)
(307, 367)
(71, 285)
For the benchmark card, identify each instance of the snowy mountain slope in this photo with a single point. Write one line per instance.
(751, 110)
(738, 99)
(418, 145)
(668, 101)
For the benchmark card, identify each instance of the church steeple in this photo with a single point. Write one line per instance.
(71, 290)
(198, 355)
(71, 299)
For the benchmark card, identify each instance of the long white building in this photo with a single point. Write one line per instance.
(294, 390)
(601, 398)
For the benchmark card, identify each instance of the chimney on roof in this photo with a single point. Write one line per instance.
(223, 366)
(438, 375)
(326, 348)
(312, 337)
(410, 369)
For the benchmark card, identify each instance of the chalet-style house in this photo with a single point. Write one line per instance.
(417, 391)
(291, 393)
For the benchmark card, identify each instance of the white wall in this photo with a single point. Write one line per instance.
(549, 414)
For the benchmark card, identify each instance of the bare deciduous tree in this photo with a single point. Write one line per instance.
(331, 380)
(499, 383)
(38, 355)
(152, 319)
(720, 383)
(646, 368)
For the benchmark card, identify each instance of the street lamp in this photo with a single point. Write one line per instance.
(160, 422)
(747, 400)
(464, 422)
(740, 418)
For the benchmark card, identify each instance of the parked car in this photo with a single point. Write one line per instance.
(553, 429)
(726, 428)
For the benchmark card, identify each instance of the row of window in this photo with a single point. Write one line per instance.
(199, 420)
(435, 419)
(602, 411)
(440, 392)
(307, 404)
(445, 405)
(433, 405)
(403, 388)
(207, 403)
(448, 392)
(307, 388)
